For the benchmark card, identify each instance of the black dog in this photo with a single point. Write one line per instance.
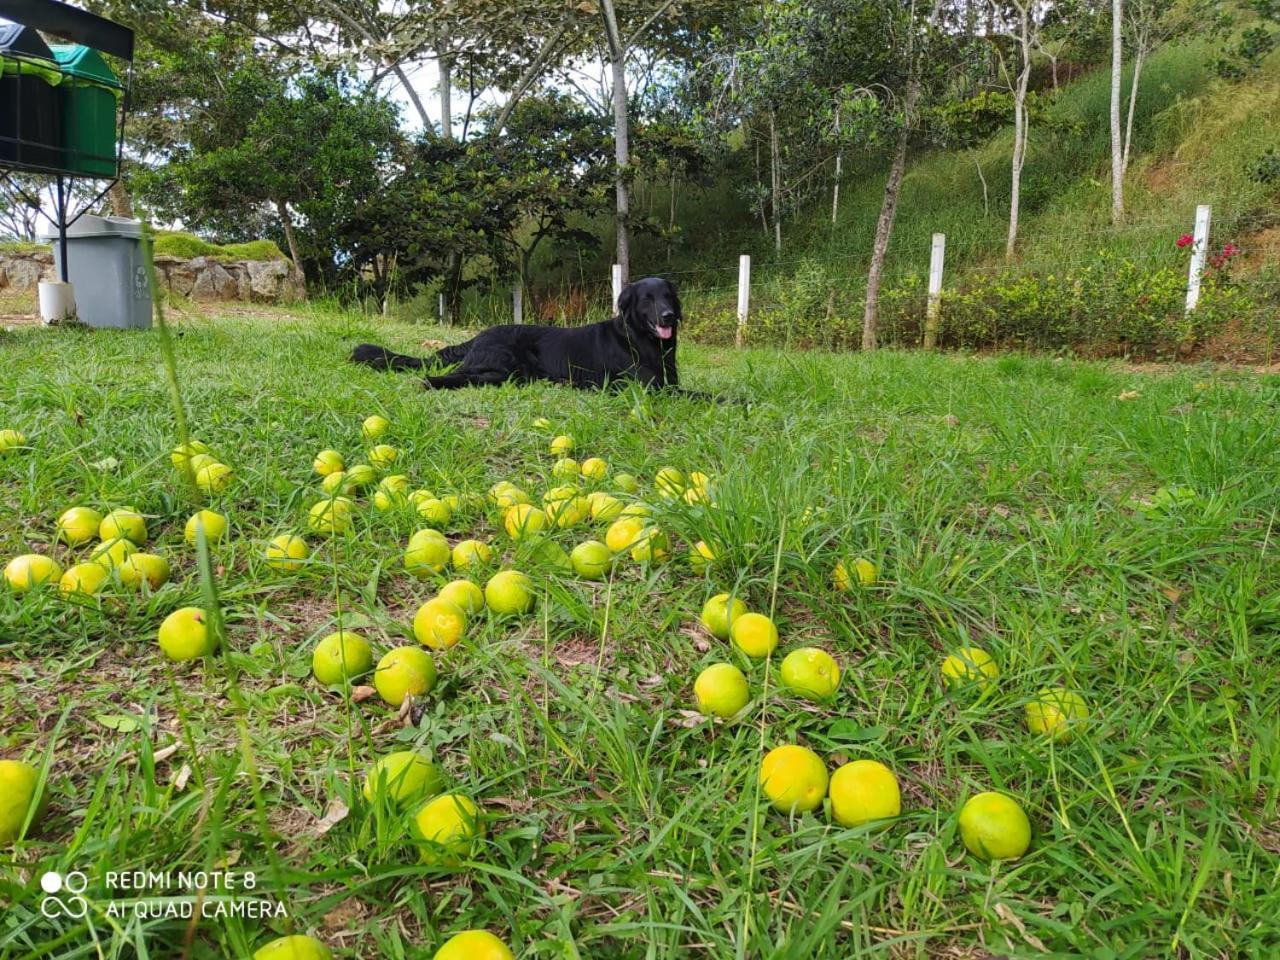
(637, 345)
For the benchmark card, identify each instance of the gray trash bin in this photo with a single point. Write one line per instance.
(107, 268)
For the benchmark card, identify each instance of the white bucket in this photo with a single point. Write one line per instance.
(57, 301)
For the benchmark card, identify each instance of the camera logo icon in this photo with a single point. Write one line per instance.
(63, 895)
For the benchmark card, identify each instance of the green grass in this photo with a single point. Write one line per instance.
(996, 495)
(175, 243)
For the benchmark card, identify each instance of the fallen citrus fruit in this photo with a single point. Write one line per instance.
(626, 483)
(78, 525)
(464, 594)
(374, 427)
(862, 791)
(447, 828)
(183, 452)
(591, 559)
(754, 634)
(794, 778)
(562, 446)
(330, 516)
(287, 552)
(297, 947)
(509, 592)
(31, 570)
(1057, 713)
(810, 672)
(994, 827)
(428, 552)
(593, 468)
(85, 578)
(439, 623)
(566, 468)
(124, 522)
(401, 778)
(701, 556)
(145, 568)
(623, 533)
(341, 657)
(112, 553)
(721, 690)
(652, 546)
(474, 945)
(18, 798)
(404, 672)
(214, 523)
(523, 519)
(213, 477)
(327, 462)
(468, 554)
(863, 570)
(184, 635)
(969, 665)
(383, 456)
(719, 612)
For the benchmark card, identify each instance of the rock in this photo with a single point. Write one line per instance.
(213, 281)
(176, 274)
(270, 280)
(23, 272)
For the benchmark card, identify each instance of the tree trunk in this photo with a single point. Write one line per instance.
(775, 178)
(621, 134)
(1138, 59)
(1117, 149)
(884, 229)
(671, 217)
(291, 239)
(121, 206)
(444, 86)
(835, 189)
(1020, 123)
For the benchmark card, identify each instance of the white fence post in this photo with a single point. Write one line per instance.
(933, 312)
(441, 308)
(1199, 248)
(517, 301)
(744, 295)
(617, 285)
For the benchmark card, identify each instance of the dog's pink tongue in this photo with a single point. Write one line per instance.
(666, 333)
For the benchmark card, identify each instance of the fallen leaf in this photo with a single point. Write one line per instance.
(164, 753)
(1128, 395)
(361, 694)
(118, 722)
(1011, 918)
(951, 420)
(1173, 593)
(336, 813)
(184, 774)
(432, 344)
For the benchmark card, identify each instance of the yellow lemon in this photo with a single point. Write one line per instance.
(214, 523)
(401, 778)
(864, 572)
(636, 511)
(124, 522)
(696, 495)
(994, 827)
(330, 516)
(374, 427)
(593, 468)
(562, 446)
(670, 482)
(213, 477)
(721, 690)
(506, 494)
(18, 781)
(297, 947)
(434, 512)
(811, 673)
(626, 483)
(10, 439)
(183, 452)
(523, 519)
(198, 461)
(1056, 712)
(287, 552)
(447, 828)
(334, 482)
(862, 791)
(145, 568)
(552, 554)
(509, 592)
(624, 533)
(719, 613)
(383, 456)
(568, 513)
(426, 554)
(541, 423)
(700, 481)
(341, 657)
(794, 778)
(469, 554)
(474, 945)
(604, 508)
(754, 634)
(185, 635)
(566, 468)
(358, 477)
(31, 570)
(559, 494)
(78, 525)
(404, 672)
(112, 553)
(464, 594)
(86, 578)
(969, 665)
(327, 462)
(439, 623)
(701, 556)
(652, 546)
(591, 559)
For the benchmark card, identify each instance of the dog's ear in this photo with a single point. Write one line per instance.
(627, 300)
(675, 299)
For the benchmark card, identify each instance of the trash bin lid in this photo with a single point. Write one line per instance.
(84, 63)
(90, 226)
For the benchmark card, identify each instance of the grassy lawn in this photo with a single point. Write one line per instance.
(999, 498)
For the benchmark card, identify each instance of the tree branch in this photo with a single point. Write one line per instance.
(530, 74)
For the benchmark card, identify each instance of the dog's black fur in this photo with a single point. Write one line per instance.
(638, 345)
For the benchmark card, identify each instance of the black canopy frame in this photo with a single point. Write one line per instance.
(78, 26)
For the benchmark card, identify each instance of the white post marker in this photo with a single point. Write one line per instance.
(442, 308)
(933, 311)
(617, 285)
(744, 295)
(517, 302)
(1199, 248)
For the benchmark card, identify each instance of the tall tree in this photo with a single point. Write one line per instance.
(1117, 147)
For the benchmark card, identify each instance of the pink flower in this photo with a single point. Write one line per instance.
(1185, 240)
(1230, 250)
